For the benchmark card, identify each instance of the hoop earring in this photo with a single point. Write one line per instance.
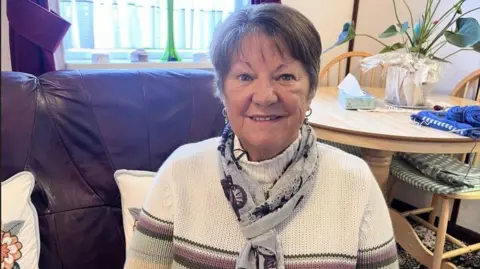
(309, 113)
(224, 113)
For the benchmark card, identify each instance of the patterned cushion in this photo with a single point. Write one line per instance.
(407, 173)
(357, 151)
(20, 231)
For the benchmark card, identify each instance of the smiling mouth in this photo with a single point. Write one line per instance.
(265, 118)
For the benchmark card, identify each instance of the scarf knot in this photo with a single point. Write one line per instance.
(258, 222)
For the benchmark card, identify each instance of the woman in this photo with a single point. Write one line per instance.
(266, 194)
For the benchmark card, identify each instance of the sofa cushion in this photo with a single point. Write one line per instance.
(18, 112)
(134, 187)
(20, 232)
(90, 123)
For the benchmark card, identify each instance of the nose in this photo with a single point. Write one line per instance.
(264, 93)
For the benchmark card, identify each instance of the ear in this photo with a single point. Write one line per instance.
(220, 95)
(309, 99)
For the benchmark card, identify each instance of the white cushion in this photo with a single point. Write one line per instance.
(20, 231)
(134, 187)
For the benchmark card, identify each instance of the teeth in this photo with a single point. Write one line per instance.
(264, 118)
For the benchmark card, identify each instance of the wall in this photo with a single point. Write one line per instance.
(372, 22)
(328, 17)
(5, 63)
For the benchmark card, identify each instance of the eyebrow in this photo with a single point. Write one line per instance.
(280, 67)
(247, 63)
(276, 70)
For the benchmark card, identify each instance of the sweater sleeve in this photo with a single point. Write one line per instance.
(377, 246)
(152, 243)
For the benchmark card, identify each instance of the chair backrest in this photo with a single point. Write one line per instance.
(326, 72)
(469, 87)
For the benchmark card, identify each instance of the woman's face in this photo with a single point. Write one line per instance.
(266, 97)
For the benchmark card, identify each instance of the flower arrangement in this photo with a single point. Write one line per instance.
(425, 38)
(415, 59)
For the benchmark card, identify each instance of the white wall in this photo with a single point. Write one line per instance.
(5, 63)
(328, 16)
(373, 22)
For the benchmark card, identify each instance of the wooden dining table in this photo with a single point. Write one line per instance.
(382, 133)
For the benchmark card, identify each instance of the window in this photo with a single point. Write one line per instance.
(120, 26)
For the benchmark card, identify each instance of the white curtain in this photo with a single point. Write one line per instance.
(117, 25)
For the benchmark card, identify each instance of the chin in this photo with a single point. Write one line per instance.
(269, 141)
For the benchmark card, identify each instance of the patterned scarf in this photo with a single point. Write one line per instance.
(258, 222)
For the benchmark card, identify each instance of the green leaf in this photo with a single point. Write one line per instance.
(14, 227)
(347, 34)
(476, 47)
(393, 47)
(391, 31)
(466, 35)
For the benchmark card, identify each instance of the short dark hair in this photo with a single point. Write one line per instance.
(286, 26)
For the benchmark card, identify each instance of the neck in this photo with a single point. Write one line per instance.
(258, 154)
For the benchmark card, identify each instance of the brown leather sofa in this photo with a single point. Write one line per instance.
(73, 129)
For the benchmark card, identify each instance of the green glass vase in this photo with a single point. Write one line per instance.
(170, 54)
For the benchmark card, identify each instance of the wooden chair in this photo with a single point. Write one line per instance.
(325, 73)
(341, 60)
(443, 194)
(404, 232)
(469, 87)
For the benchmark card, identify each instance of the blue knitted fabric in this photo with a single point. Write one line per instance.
(465, 114)
(439, 120)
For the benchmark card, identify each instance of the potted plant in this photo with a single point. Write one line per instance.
(412, 65)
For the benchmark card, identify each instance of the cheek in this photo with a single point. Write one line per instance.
(235, 104)
(297, 105)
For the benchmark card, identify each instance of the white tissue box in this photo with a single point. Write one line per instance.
(356, 102)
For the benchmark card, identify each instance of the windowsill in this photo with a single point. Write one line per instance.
(138, 65)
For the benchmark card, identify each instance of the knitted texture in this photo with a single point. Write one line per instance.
(186, 222)
(266, 172)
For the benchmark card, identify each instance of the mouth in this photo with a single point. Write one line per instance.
(265, 118)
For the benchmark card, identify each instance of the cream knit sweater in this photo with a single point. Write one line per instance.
(187, 222)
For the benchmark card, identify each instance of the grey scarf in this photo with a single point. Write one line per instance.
(258, 222)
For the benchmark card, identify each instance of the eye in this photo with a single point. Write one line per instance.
(245, 77)
(286, 77)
